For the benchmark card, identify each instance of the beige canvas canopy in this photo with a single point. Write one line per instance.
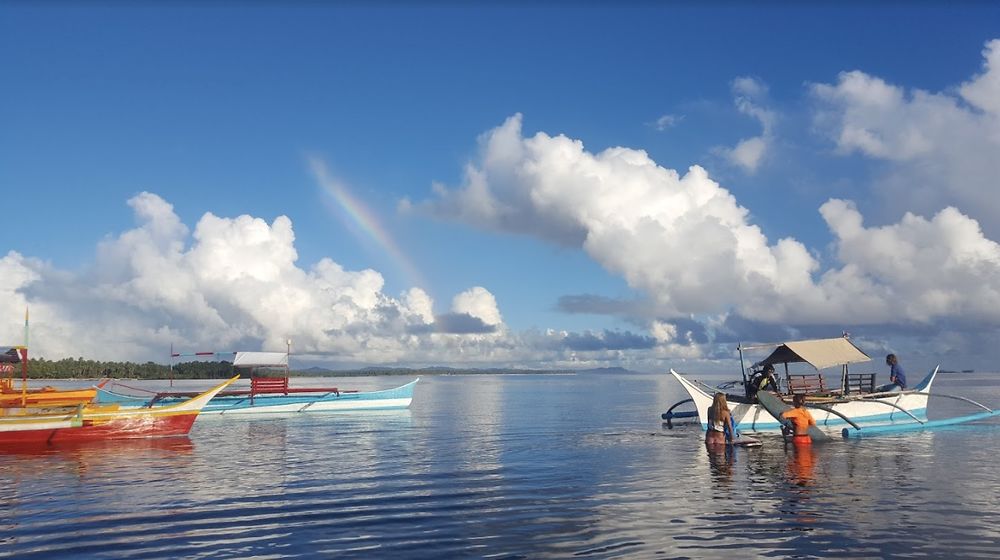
(820, 354)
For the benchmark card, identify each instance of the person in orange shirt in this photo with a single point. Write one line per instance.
(801, 419)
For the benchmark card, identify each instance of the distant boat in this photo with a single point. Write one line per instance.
(90, 423)
(270, 393)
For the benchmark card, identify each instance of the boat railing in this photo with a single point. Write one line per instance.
(860, 383)
(805, 384)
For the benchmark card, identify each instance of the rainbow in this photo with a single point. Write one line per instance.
(364, 220)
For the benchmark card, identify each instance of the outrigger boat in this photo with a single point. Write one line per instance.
(269, 392)
(88, 423)
(853, 400)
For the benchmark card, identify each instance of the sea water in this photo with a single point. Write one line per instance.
(507, 466)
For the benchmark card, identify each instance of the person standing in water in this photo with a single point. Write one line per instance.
(720, 422)
(801, 419)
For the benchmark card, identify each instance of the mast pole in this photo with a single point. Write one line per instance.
(743, 370)
(24, 362)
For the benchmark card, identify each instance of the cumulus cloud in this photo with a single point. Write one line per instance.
(232, 283)
(749, 153)
(478, 302)
(686, 244)
(461, 323)
(941, 147)
(235, 284)
(608, 340)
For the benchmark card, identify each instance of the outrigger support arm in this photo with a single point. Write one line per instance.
(835, 413)
(872, 396)
(970, 401)
(896, 406)
(669, 414)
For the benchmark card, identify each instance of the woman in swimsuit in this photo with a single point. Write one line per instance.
(720, 422)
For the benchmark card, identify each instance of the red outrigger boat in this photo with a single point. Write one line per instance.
(88, 423)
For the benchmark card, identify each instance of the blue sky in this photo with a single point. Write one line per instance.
(229, 110)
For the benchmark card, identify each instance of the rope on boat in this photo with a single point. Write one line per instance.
(115, 382)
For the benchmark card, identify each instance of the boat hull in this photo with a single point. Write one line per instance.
(90, 425)
(752, 416)
(397, 398)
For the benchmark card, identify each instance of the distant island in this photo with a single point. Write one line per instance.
(79, 368)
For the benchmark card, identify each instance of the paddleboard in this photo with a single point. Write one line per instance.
(775, 406)
(744, 441)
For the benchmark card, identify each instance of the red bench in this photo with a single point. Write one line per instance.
(261, 385)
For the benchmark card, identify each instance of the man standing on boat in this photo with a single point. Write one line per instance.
(897, 377)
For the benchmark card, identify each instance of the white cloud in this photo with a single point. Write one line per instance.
(478, 302)
(918, 270)
(940, 148)
(232, 284)
(685, 242)
(665, 122)
(749, 153)
(983, 91)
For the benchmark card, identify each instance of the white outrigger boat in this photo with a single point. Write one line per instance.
(853, 400)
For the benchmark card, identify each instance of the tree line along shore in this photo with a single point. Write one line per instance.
(80, 368)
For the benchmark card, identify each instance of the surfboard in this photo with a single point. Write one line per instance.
(775, 406)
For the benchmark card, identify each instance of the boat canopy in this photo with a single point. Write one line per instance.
(820, 353)
(9, 355)
(250, 359)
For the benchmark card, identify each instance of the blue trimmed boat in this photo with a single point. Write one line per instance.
(844, 404)
(270, 394)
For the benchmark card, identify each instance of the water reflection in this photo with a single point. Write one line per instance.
(801, 464)
(497, 466)
(721, 459)
(83, 457)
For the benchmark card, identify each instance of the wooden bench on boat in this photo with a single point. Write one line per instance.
(805, 384)
(860, 383)
(269, 385)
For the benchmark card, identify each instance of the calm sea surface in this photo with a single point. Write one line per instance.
(541, 466)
